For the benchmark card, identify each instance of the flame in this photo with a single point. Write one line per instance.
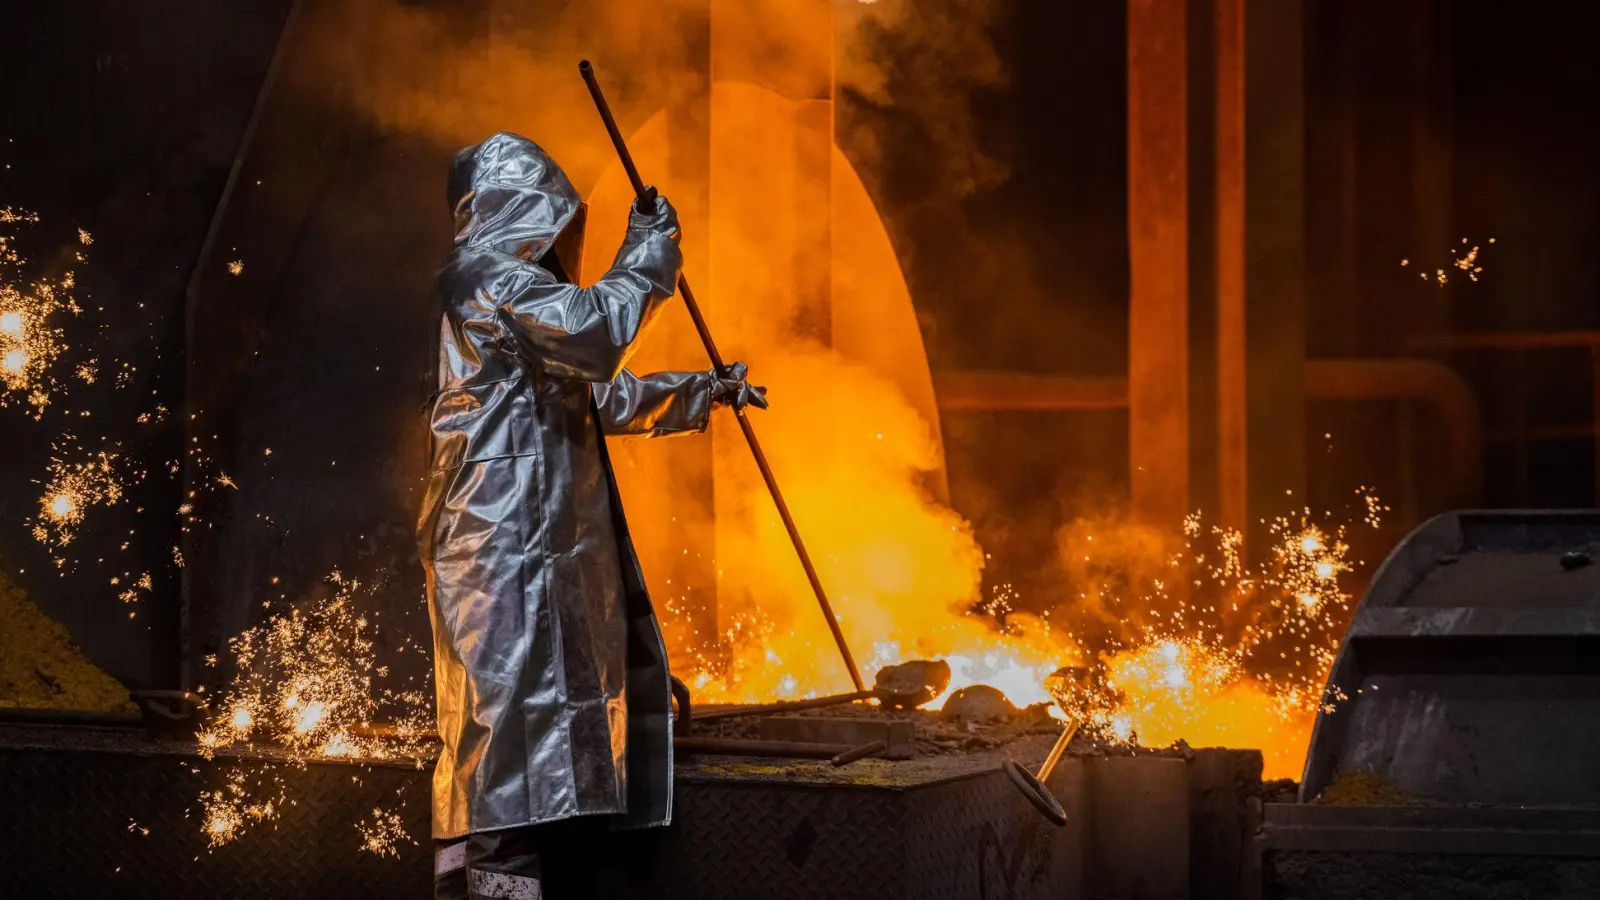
(853, 438)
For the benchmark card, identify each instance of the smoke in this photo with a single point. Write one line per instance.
(851, 435)
(920, 65)
(463, 72)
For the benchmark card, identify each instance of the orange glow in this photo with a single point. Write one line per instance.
(853, 438)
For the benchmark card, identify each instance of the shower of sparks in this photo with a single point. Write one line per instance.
(1237, 658)
(31, 338)
(308, 681)
(73, 486)
(236, 267)
(382, 833)
(1467, 262)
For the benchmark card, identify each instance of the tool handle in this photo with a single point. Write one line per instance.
(1056, 751)
(643, 193)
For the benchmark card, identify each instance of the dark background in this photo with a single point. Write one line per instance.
(126, 121)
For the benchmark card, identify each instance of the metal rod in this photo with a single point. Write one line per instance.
(1056, 751)
(861, 752)
(785, 749)
(639, 189)
(784, 706)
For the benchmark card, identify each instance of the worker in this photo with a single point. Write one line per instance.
(554, 699)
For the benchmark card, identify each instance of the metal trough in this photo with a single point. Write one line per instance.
(1470, 679)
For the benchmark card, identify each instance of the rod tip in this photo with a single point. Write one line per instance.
(584, 67)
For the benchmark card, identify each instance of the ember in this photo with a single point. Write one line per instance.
(309, 681)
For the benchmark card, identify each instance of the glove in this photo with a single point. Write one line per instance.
(735, 391)
(658, 215)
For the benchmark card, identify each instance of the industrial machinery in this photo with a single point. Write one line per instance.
(1457, 754)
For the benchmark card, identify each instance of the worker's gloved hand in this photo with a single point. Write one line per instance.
(657, 216)
(735, 391)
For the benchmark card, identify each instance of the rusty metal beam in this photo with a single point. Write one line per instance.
(1158, 253)
(1433, 383)
(1233, 474)
(1015, 392)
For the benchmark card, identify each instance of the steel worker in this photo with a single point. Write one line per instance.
(553, 692)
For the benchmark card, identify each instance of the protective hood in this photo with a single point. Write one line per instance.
(508, 194)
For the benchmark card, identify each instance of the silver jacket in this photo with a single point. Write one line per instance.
(553, 693)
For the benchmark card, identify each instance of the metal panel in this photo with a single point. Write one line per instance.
(1471, 671)
(78, 800)
(1139, 844)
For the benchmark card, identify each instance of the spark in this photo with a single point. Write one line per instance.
(72, 487)
(236, 267)
(30, 339)
(308, 680)
(382, 833)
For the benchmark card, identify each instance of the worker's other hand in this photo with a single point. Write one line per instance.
(656, 215)
(735, 391)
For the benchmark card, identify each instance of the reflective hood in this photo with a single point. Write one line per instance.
(508, 194)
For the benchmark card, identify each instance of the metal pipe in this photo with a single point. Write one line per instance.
(1446, 393)
(1015, 392)
(1434, 383)
(784, 706)
(646, 198)
(859, 753)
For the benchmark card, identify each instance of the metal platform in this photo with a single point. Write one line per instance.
(78, 802)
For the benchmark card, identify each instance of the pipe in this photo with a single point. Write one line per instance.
(1434, 383)
(1015, 392)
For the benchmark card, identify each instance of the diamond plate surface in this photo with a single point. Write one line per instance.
(74, 827)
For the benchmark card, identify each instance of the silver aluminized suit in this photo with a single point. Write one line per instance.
(553, 692)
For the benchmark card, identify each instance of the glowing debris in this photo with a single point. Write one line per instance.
(73, 486)
(1467, 262)
(382, 833)
(308, 680)
(236, 267)
(30, 337)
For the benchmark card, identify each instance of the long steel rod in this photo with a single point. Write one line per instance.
(643, 193)
(1056, 751)
(783, 706)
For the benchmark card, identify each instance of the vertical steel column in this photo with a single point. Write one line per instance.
(1158, 237)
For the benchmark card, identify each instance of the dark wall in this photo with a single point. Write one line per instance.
(1430, 123)
(122, 119)
(307, 370)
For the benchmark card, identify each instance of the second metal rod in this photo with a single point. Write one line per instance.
(639, 189)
